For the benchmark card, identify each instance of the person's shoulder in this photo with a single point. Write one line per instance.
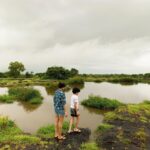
(74, 96)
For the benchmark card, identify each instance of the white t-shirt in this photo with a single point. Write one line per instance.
(74, 99)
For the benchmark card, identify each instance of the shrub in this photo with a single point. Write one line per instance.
(75, 80)
(26, 94)
(7, 98)
(101, 103)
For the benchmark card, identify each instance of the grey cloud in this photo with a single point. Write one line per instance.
(101, 36)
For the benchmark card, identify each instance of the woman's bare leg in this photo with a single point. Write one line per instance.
(61, 119)
(56, 125)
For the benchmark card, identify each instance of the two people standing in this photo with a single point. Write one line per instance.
(61, 111)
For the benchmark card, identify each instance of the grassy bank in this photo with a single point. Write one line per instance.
(22, 94)
(12, 138)
(126, 128)
(101, 103)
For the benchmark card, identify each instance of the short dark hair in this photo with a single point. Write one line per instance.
(61, 85)
(75, 90)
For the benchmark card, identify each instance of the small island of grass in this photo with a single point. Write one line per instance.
(101, 103)
(24, 94)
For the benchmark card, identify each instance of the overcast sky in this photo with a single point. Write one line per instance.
(94, 36)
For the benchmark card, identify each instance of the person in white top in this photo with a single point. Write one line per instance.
(74, 111)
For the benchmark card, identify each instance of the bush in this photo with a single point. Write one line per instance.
(76, 80)
(7, 98)
(101, 103)
(5, 123)
(26, 94)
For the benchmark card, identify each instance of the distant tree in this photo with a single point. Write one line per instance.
(2, 75)
(74, 72)
(29, 74)
(15, 69)
(57, 73)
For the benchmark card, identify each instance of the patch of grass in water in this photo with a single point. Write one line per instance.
(101, 103)
(7, 98)
(26, 94)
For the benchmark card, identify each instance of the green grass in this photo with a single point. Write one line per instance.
(104, 127)
(10, 133)
(7, 98)
(89, 146)
(125, 124)
(101, 103)
(75, 80)
(30, 95)
(49, 130)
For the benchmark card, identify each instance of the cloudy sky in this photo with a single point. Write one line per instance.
(94, 36)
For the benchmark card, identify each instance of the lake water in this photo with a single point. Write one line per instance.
(29, 118)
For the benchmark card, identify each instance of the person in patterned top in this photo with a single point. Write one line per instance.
(60, 110)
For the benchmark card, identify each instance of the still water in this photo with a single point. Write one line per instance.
(29, 118)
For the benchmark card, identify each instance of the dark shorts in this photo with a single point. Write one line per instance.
(60, 112)
(73, 112)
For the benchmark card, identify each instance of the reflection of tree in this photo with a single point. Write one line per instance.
(51, 90)
(95, 111)
(80, 86)
(29, 107)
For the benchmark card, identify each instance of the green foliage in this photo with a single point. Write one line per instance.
(7, 98)
(46, 132)
(101, 103)
(76, 81)
(10, 133)
(57, 73)
(5, 123)
(26, 139)
(36, 100)
(89, 146)
(74, 72)
(15, 69)
(124, 80)
(104, 127)
(60, 73)
(26, 94)
(49, 130)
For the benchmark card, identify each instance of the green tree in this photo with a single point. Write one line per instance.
(15, 69)
(57, 73)
(74, 72)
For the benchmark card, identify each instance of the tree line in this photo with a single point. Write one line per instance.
(17, 70)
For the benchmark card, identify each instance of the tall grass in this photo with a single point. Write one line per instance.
(23, 94)
(101, 103)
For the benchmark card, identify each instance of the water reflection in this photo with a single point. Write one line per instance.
(30, 117)
(28, 107)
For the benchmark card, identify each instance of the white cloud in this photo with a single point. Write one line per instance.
(96, 36)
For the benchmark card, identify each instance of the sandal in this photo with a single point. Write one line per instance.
(70, 132)
(77, 130)
(56, 137)
(62, 138)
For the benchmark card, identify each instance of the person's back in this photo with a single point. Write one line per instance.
(74, 110)
(60, 110)
(59, 100)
